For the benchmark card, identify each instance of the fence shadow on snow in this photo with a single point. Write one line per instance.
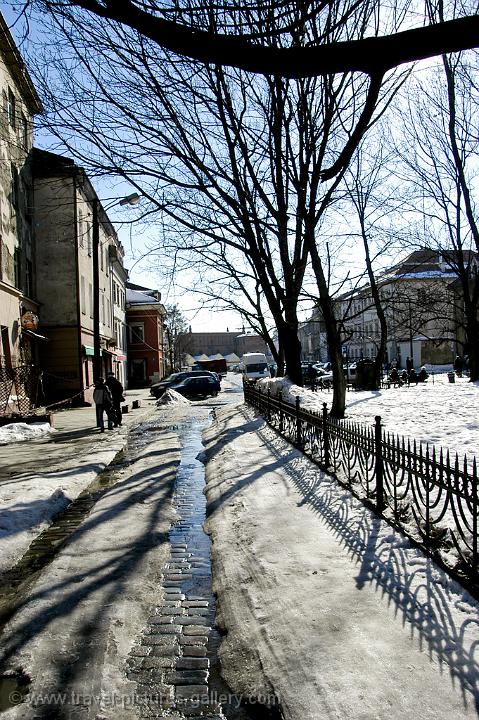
(417, 590)
(427, 494)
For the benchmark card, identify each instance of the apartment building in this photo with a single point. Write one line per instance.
(421, 303)
(145, 315)
(19, 311)
(69, 280)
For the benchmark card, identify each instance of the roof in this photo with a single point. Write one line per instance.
(155, 294)
(138, 298)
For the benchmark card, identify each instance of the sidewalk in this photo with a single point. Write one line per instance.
(322, 604)
(39, 478)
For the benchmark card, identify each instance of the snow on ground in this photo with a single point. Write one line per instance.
(320, 601)
(171, 397)
(19, 432)
(436, 412)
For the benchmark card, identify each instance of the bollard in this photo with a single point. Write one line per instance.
(299, 429)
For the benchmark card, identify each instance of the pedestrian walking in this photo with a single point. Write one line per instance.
(116, 389)
(103, 403)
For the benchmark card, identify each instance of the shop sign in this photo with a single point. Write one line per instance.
(29, 320)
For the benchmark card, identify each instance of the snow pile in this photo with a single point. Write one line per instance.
(171, 397)
(436, 412)
(18, 432)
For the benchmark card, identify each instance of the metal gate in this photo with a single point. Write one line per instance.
(19, 388)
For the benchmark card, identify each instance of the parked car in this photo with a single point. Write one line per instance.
(324, 376)
(350, 372)
(201, 386)
(159, 388)
(322, 366)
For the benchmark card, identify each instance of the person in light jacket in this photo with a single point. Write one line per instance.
(103, 402)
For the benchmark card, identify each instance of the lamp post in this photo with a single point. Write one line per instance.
(132, 199)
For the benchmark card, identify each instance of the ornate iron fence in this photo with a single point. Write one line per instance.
(430, 495)
(18, 389)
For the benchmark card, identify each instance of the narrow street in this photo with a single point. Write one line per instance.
(118, 620)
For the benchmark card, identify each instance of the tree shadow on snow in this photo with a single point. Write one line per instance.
(93, 591)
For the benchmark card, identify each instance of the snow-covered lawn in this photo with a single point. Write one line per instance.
(436, 412)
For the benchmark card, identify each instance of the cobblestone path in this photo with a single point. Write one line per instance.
(171, 661)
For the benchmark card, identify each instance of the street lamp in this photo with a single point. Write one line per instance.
(132, 199)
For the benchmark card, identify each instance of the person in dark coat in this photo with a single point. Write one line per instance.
(409, 364)
(423, 374)
(458, 365)
(103, 402)
(116, 389)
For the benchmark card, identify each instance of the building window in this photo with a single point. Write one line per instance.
(29, 278)
(90, 298)
(11, 109)
(80, 229)
(89, 238)
(24, 131)
(137, 333)
(14, 188)
(5, 354)
(82, 295)
(102, 309)
(17, 267)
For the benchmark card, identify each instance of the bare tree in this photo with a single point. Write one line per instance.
(442, 144)
(225, 159)
(236, 34)
(376, 201)
(223, 280)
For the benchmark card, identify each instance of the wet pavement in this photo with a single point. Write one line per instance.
(175, 662)
(172, 661)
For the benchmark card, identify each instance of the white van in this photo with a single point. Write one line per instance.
(255, 366)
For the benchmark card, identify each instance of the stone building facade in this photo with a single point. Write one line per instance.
(18, 339)
(64, 214)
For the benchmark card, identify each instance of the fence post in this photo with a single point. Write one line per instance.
(281, 425)
(299, 433)
(327, 461)
(268, 406)
(378, 464)
(475, 566)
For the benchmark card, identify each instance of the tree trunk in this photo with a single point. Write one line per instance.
(472, 335)
(332, 335)
(289, 341)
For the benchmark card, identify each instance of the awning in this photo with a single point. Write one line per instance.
(90, 351)
(35, 335)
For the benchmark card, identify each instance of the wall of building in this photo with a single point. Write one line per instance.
(58, 282)
(224, 343)
(16, 241)
(149, 351)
